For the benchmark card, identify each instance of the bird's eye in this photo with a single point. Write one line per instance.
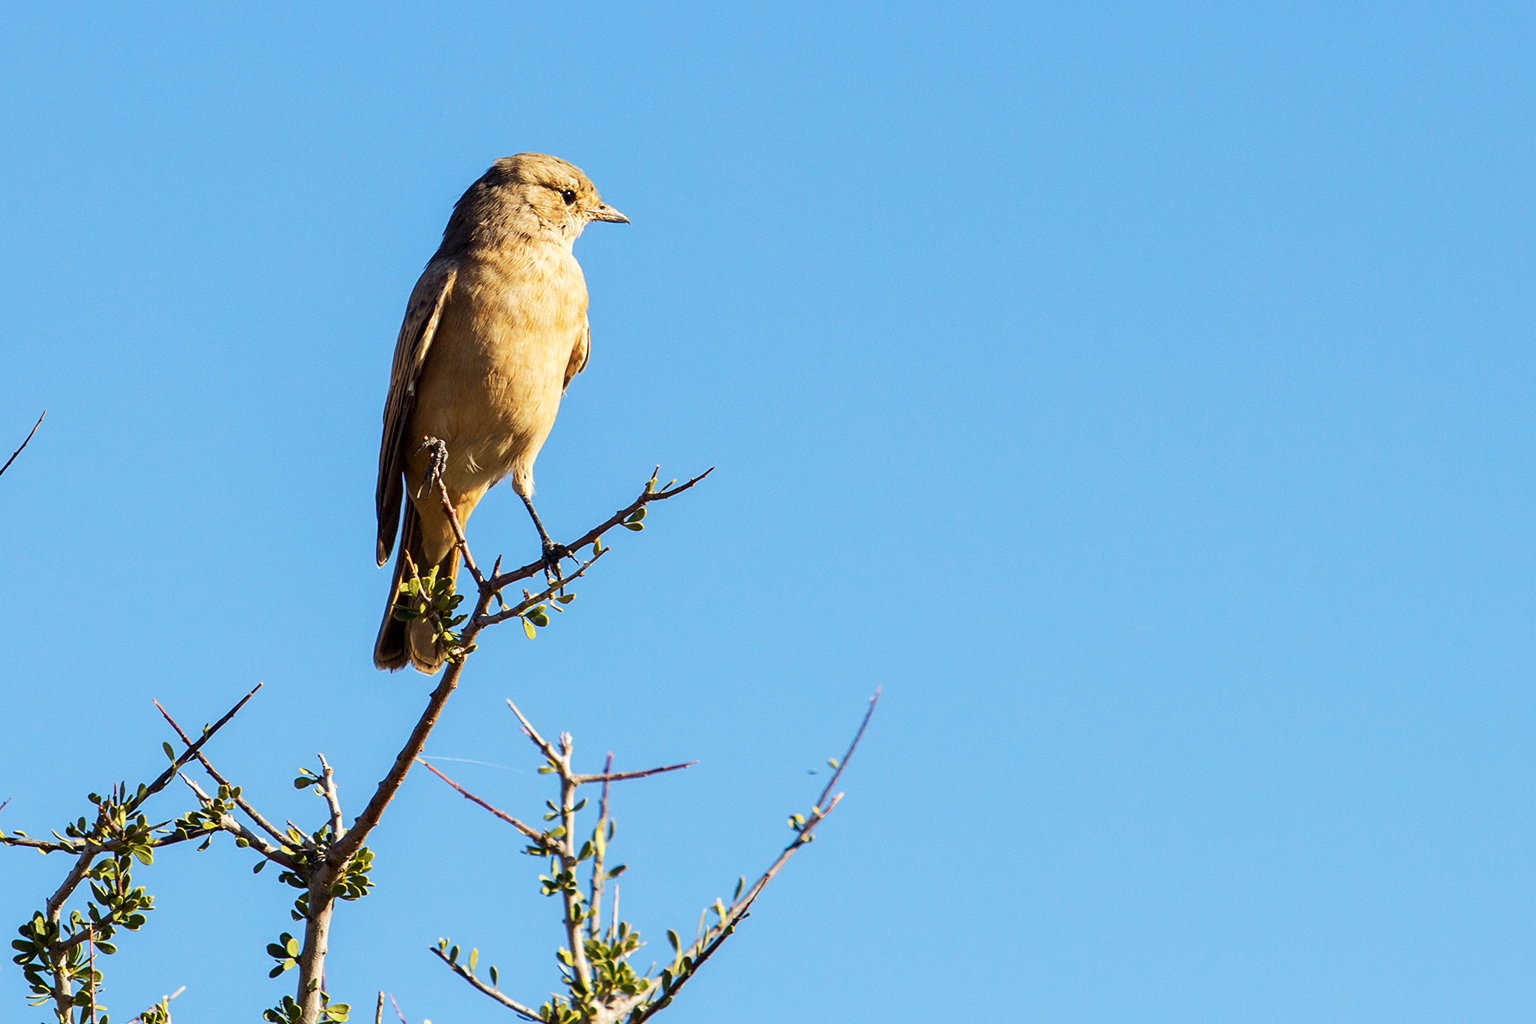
(568, 196)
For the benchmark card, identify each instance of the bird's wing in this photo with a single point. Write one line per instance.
(579, 354)
(422, 314)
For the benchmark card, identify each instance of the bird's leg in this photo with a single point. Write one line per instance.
(552, 552)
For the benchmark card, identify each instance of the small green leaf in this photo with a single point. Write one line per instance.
(168, 751)
(494, 982)
(528, 629)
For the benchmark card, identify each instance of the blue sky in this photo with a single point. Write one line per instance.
(1141, 394)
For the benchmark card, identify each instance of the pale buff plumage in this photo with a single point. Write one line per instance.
(494, 331)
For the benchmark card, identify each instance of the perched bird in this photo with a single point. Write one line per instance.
(494, 331)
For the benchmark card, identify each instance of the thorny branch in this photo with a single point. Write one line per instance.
(705, 946)
(322, 873)
(646, 996)
(240, 801)
(123, 831)
(480, 619)
(351, 840)
(93, 846)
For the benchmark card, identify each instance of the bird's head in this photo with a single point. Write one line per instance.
(531, 195)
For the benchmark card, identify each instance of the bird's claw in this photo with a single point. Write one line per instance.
(437, 465)
(553, 554)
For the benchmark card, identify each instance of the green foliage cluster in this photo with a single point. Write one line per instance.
(436, 600)
(57, 954)
(308, 853)
(290, 1012)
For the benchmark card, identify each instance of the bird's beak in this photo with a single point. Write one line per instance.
(608, 213)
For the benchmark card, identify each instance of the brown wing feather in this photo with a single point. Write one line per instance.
(422, 314)
(580, 352)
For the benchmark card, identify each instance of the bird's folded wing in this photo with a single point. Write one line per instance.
(579, 354)
(422, 314)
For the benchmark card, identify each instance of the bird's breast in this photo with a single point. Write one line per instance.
(492, 382)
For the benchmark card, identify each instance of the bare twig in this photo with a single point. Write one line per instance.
(605, 778)
(191, 751)
(240, 801)
(378, 1015)
(458, 530)
(707, 944)
(599, 848)
(571, 897)
(533, 734)
(873, 700)
(531, 833)
(24, 443)
(332, 800)
(495, 993)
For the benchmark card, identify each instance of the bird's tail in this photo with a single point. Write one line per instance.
(400, 642)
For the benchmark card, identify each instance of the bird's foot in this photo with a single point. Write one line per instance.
(438, 464)
(553, 554)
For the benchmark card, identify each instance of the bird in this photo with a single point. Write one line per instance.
(494, 331)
